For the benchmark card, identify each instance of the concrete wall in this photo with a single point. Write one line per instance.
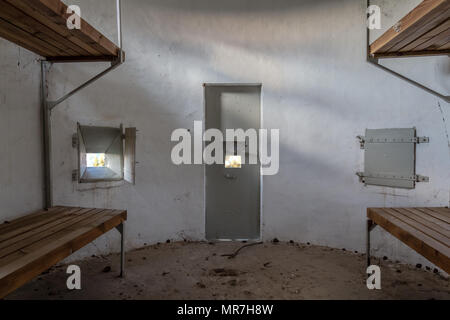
(318, 89)
(21, 178)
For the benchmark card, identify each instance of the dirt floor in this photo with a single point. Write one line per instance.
(267, 271)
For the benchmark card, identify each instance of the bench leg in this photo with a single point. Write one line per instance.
(121, 229)
(370, 226)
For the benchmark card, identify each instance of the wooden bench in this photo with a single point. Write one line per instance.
(32, 244)
(426, 230)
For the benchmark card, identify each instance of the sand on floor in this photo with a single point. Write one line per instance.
(190, 271)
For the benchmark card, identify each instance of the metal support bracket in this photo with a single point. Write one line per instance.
(74, 175)
(121, 229)
(75, 141)
(417, 140)
(375, 61)
(416, 178)
(362, 141)
(47, 106)
(52, 104)
(370, 226)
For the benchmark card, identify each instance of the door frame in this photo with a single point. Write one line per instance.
(261, 180)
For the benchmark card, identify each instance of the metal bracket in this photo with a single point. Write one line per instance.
(114, 64)
(420, 178)
(372, 225)
(375, 62)
(422, 140)
(75, 141)
(362, 141)
(415, 178)
(47, 106)
(52, 104)
(121, 229)
(416, 140)
(74, 175)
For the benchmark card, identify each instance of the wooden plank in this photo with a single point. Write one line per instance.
(418, 19)
(408, 54)
(30, 40)
(25, 239)
(34, 27)
(15, 224)
(431, 249)
(429, 36)
(429, 218)
(22, 270)
(437, 42)
(445, 47)
(436, 214)
(416, 224)
(442, 211)
(54, 237)
(74, 59)
(16, 38)
(56, 11)
(24, 235)
(29, 226)
(27, 217)
(62, 30)
(425, 25)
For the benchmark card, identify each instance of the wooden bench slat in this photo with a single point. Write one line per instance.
(55, 236)
(28, 217)
(19, 223)
(425, 245)
(435, 214)
(411, 221)
(442, 211)
(38, 234)
(428, 15)
(42, 246)
(68, 237)
(34, 27)
(39, 222)
(45, 21)
(432, 220)
(21, 270)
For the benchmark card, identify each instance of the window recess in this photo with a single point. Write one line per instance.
(105, 154)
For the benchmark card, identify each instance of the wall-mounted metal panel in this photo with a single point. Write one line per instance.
(390, 157)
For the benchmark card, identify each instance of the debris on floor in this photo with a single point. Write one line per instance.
(279, 270)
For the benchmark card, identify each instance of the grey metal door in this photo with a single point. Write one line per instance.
(233, 194)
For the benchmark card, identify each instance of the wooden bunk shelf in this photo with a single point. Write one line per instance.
(426, 230)
(424, 31)
(41, 27)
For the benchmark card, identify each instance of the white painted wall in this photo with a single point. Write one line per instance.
(318, 89)
(21, 178)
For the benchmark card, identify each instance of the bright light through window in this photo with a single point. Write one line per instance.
(95, 160)
(233, 162)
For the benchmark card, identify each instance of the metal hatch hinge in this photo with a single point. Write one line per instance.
(416, 140)
(75, 175)
(415, 178)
